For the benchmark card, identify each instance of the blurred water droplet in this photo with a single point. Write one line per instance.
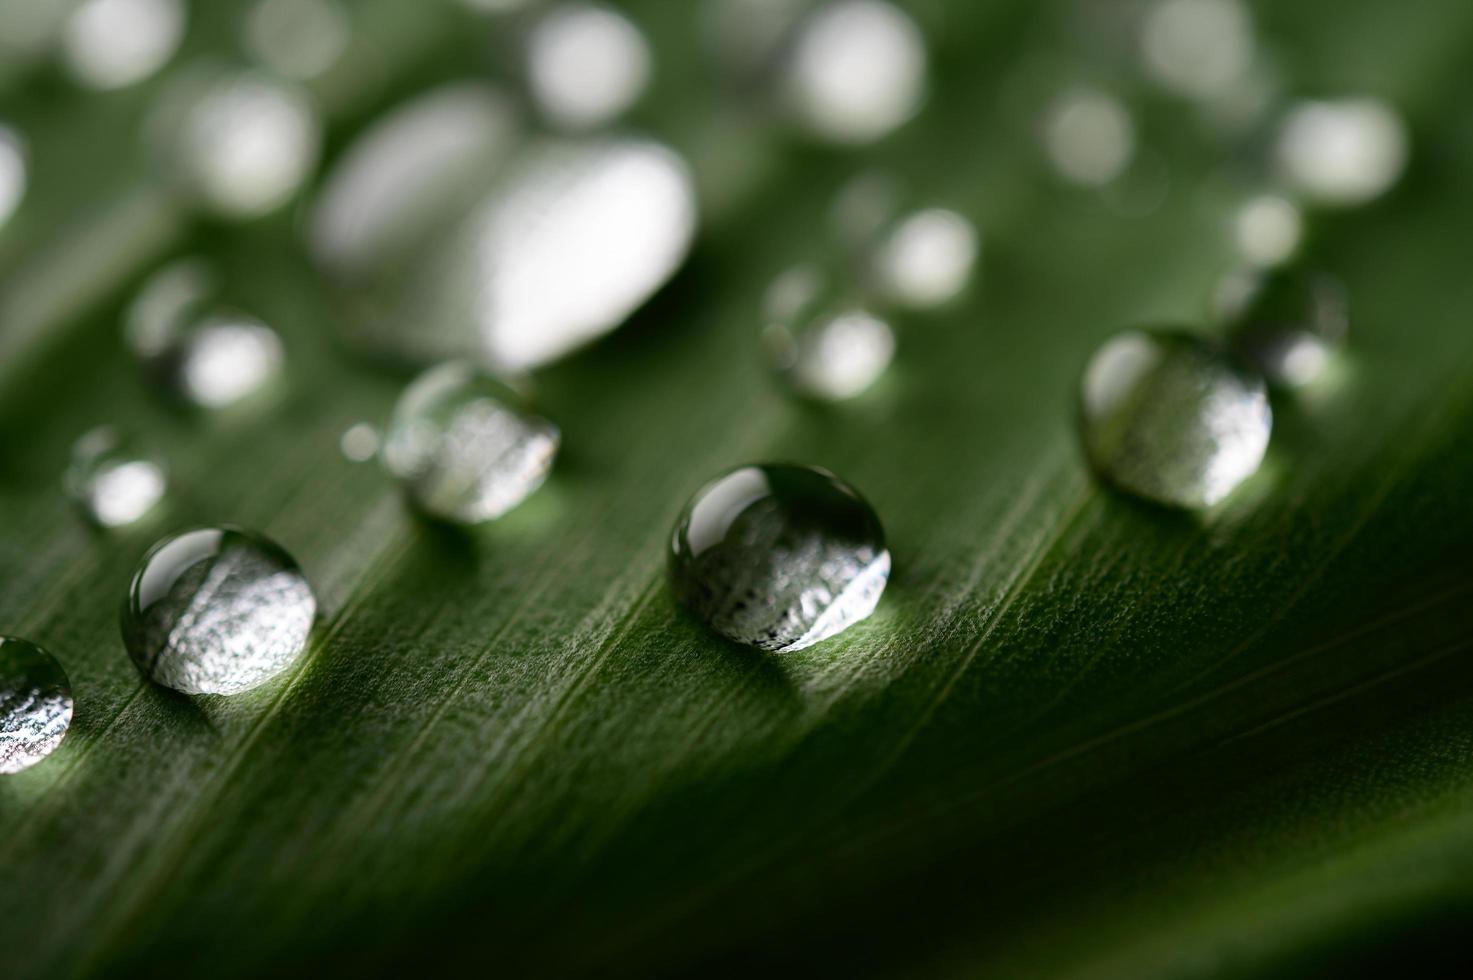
(925, 259)
(1267, 230)
(359, 443)
(298, 38)
(1089, 136)
(1341, 152)
(779, 557)
(745, 34)
(1289, 323)
(1170, 417)
(111, 481)
(415, 170)
(12, 172)
(239, 142)
(1198, 48)
(854, 71)
(217, 610)
(35, 704)
(165, 303)
(586, 64)
(497, 6)
(111, 44)
(823, 345)
(464, 446)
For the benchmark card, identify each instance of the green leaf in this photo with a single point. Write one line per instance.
(1080, 736)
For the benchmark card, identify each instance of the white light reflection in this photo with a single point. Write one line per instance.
(856, 71)
(163, 305)
(298, 38)
(586, 64)
(359, 443)
(111, 44)
(13, 172)
(1267, 230)
(115, 487)
(228, 358)
(1343, 152)
(1089, 136)
(1198, 48)
(927, 259)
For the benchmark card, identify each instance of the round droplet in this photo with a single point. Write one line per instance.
(1342, 152)
(855, 71)
(111, 44)
(359, 443)
(1198, 48)
(925, 259)
(1268, 229)
(823, 344)
(114, 484)
(779, 557)
(35, 704)
(586, 64)
(1089, 136)
(1289, 323)
(298, 38)
(240, 142)
(1172, 418)
(217, 610)
(12, 172)
(464, 447)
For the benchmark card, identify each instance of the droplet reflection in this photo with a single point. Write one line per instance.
(1342, 152)
(1198, 48)
(111, 44)
(12, 172)
(1089, 136)
(298, 38)
(586, 64)
(35, 704)
(824, 346)
(112, 483)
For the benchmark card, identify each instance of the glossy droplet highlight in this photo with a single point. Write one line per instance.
(217, 610)
(779, 557)
(1089, 136)
(1172, 418)
(111, 44)
(298, 38)
(586, 64)
(1288, 324)
(925, 259)
(1267, 230)
(113, 483)
(822, 344)
(35, 704)
(464, 447)
(1341, 152)
(12, 172)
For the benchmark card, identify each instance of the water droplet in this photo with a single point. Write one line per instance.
(1288, 324)
(35, 704)
(359, 443)
(240, 142)
(1090, 137)
(823, 344)
(113, 483)
(1341, 152)
(854, 71)
(779, 557)
(746, 34)
(1172, 418)
(111, 44)
(925, 259)
(217, 610)
(1268, 229)
(12, 172)
(465, 447)
(298, 38)
(1198, 48)
(586, 64)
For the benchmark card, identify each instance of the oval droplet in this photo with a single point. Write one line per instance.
(1341, 152)
(35, 704)
(114, 484)
(779, 557)
(823, 345)
(586, 64)
(1290, 323)
(464, 447)
(1172, 418)
(217, 610)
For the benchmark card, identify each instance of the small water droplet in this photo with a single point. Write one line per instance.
(1172, 418)
(464, 446)
(217, 610)
(1089, 136)
(925, 259)
(1289, 323)
(12, 172)
(1198, 48)
(1341, 152)
(35, 704)
(823, 344)
(1268, 229)
(779, 557)
(854, 71)
(298, 38)
(586, 64)
(359, 443)
(113, 483)
(111, 44)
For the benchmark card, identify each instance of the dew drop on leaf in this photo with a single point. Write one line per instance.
(113, 483)
(35, 704)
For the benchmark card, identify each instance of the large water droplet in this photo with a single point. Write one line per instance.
(112, 482)
(823, 344)
(586, 64)
(1289, 323)
(1341, 152)
(464, 446)
(110, 44)
(217, 610)
(12, 172)
(779, 557)
(35, 704)
(1172, 418)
